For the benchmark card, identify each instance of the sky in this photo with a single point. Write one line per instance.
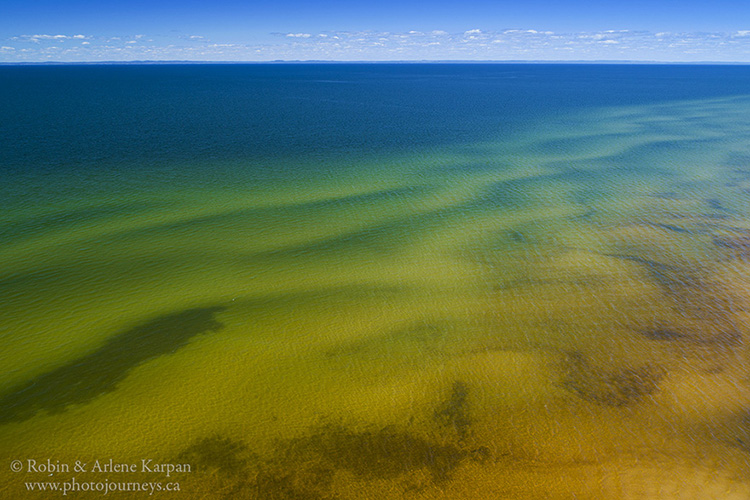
(374, 30)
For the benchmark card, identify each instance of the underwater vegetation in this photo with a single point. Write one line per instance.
(618, 387)
(99, 372)
(376, 454)
(663, 334)
(336, 460)
(312, 466)
(454, 412)
(738, 246)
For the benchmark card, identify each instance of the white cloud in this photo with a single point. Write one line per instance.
(472, 44)
(50, 37)
(512, 44)
(44, 39)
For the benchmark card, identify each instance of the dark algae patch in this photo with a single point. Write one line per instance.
(99, 372)
(217, 453)
(738, 246)
(229, 463)
(670, 278)
(617, 388)
(704, 303)
(663, 334)
(453, 413)
(315, 465)
(377, 454)
(673, 228)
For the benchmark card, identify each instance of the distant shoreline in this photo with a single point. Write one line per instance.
(468, 62)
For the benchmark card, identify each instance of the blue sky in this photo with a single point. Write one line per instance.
(233, 30)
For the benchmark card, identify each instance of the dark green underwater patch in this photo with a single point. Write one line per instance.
(99, 372)
(672, 279)
(617, 387)
(453, 413)
(383, 453)
(307, 468)
(218, 453)
(663, 334)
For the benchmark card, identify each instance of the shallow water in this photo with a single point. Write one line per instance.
(455, 291)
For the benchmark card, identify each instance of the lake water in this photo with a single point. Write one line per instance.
(378, 281)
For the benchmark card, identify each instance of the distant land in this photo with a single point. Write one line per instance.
(425, 61)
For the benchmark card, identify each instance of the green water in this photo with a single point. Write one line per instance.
(556, 312)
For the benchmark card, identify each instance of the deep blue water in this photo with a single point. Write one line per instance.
(151, 115)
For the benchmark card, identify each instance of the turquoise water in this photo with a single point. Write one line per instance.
(394, 281)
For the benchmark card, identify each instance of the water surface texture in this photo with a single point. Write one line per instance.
(378, 281)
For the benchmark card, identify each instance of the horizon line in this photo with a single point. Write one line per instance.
(384, 61)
